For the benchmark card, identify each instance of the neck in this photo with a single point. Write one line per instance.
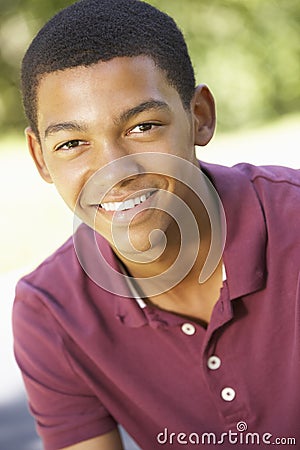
(183, 258)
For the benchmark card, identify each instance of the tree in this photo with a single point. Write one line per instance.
(246, 51)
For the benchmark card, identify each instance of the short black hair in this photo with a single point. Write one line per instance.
(90, 31)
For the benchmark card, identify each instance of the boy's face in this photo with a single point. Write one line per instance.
(91, 116)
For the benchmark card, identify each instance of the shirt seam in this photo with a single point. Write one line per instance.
(271, 180)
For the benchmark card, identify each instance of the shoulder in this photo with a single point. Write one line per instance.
(278, 191)
(56, 269)
(251, 191)
(267, 181)
(78, 284)
(46, 290)
(277, 188)
(270, 174)
(67, 268)
(254, 174)
(61, 285)
(54, 304)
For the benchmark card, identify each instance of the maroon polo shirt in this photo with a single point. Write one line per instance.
(91, 359)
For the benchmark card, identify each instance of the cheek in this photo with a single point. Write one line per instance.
(182, 143)
(68, 183)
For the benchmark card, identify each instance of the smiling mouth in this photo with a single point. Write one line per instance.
(127, 204)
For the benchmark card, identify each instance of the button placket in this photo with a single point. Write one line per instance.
(220, 366)
(224, 394)
(221, 382)
(227, 393)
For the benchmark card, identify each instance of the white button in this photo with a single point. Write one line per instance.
(213, 362)
(228, 394)
(188, 329)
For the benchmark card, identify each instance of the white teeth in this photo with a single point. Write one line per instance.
(116, 205)
(127, 204)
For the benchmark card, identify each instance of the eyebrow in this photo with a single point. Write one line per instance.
(142, 107)
(123, 118)
(64, 126)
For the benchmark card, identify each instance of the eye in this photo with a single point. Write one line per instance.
(143, 128)
(70, 145)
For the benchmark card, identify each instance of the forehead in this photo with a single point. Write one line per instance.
(104, 87)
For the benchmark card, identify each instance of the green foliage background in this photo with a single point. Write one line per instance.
(247, 51)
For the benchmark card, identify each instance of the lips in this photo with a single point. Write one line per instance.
(127, 204)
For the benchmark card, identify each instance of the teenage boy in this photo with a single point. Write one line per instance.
(106, 337)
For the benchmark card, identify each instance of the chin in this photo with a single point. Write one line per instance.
(140, 246)
(139, 249)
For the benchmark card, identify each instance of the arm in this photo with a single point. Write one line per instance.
(108, 441)
(66, 409)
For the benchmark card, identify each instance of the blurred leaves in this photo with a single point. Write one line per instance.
(248, 52)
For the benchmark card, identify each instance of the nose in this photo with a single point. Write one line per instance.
(115, 167)
(118, 171)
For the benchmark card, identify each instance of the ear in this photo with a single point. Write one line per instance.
(204, 113)
(36, 152)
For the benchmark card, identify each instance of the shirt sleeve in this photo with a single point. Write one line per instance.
(66, 411)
